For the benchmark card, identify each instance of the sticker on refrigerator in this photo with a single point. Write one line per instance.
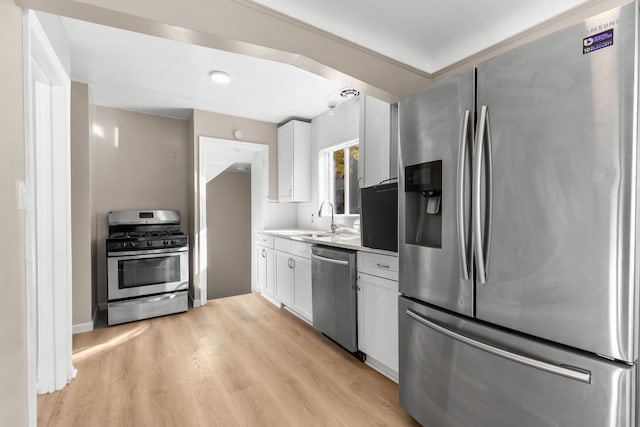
(597, 41)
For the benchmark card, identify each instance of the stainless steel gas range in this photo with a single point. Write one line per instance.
(147, 265)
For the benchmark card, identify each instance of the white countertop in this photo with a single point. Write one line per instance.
(340, 240)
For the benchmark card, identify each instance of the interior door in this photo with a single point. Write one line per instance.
(436, 126)
(561, 132)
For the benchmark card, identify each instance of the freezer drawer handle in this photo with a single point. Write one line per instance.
(582, 376)
(331, 260)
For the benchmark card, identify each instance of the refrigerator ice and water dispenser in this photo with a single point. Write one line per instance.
(423, 185)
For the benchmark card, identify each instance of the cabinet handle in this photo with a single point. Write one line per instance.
(358, 283)
(382, 265)
(293, 263)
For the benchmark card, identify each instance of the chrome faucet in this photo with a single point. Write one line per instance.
(334, 227)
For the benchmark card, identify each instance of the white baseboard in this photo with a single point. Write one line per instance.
(85, 327)
(382, 368)
(195, 303)
(82, 327)
(271, 300)
(298, 315)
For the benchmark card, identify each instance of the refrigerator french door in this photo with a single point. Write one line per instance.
(518, 218)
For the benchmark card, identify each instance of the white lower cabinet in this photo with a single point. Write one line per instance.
(266, 271)
(378, 314)
(293, 277)
(284, 278)
(265, 266)
(302, 288)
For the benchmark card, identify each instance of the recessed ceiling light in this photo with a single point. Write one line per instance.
(220, 77)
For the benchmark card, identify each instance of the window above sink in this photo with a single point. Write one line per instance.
(338, 177)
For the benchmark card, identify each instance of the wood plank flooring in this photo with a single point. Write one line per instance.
(237, 361)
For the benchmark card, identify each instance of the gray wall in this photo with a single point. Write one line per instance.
(141, 162)
(13, 347)
(229, 235)
(81, 205)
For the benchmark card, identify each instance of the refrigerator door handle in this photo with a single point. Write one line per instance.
(482, 241)
(489, 196)
(573, 374)
(460, 202)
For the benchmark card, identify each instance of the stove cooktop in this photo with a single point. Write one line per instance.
(145, 240)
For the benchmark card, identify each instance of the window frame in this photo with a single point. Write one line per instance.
(326, 181)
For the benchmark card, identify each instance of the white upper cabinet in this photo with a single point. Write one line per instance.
(369, 121)
(375, 142)
(294, 162)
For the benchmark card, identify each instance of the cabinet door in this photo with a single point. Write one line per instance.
(302, 300)
(284, 278)
(375, 142)
(301, 162)
(270, 275)
(378, 319)
(285, 162)
(261, 271)
(294, 162)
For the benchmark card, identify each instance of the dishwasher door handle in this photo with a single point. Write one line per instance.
(331, 260)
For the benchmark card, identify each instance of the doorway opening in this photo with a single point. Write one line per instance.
(229, 232)
(222, 182)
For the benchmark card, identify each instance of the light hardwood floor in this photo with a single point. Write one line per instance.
(237, 361)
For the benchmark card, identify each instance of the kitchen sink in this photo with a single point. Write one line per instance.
(316, 235)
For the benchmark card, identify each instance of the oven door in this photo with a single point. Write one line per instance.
(133, 274)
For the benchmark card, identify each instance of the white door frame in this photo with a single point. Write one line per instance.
(48, 216)
(256, 193)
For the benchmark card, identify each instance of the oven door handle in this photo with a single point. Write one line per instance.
(145, 256)
(146, 252)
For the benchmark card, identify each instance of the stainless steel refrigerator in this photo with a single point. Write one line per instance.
(518, 243)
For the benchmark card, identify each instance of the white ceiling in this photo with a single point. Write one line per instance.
(144, 73)
(426, 34)
(138, 72)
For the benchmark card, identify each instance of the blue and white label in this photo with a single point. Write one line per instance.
(597, 41)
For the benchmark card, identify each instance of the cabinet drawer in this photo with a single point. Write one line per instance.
(264, 240)
(293, 247)
(378, 265)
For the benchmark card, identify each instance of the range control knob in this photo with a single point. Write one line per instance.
(149, 243)
(133, 244)
(166, 242)
(173, 242)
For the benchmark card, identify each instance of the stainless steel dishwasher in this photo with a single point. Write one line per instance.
(334, 294)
